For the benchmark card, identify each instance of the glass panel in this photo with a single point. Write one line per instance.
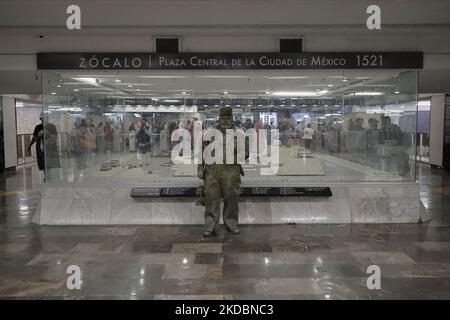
(333, 125)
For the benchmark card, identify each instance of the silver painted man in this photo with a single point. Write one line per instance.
(222, 181)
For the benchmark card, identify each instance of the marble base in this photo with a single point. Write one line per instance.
(350, 203)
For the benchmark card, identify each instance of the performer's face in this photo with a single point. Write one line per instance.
(226, 122)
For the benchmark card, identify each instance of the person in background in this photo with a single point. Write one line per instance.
(132, 138)
(108, 136)
(143, 136)
(99, 134)
(93, 143)
(248, 124)
(308, 134)
(394, 148)
(373, 140)
(351, 125)
(83, 140)
(46, 139)
(117, 138)
(258, 126)
(190, 128)
(358, 125)
(164, 138)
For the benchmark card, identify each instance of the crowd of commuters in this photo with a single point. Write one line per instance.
(371, 143)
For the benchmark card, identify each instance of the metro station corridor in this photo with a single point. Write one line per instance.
(263, 262)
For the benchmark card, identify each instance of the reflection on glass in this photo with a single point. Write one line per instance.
(333, 125)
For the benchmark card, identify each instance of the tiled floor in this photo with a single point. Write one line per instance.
(263, 262)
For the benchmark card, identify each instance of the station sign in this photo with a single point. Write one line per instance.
(229, 61)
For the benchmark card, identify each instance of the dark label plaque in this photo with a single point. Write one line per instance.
(245, 192)
(182, 192)
(145, 192)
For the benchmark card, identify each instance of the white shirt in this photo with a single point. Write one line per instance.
(308, 134)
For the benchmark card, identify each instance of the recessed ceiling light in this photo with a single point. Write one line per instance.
(344, 80)
(225, 92)
(130, 86)
(53, 93)
(267, 92)
(76, 90)
(184, 92)
(59, 86)
(117, 80)
(397, 92)
(330, 85)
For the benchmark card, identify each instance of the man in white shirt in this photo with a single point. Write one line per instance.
(308, 136)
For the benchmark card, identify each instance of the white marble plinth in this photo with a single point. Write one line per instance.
(350, 203)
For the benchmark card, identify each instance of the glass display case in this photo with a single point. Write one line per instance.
(351, 133)
(334, 126)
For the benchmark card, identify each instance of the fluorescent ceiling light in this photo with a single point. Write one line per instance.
(130, 84)
(299, 93)
(294, 77)
(91, 81)
(376, 85)
(224, 77)
(368, 93)
(162, 77)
